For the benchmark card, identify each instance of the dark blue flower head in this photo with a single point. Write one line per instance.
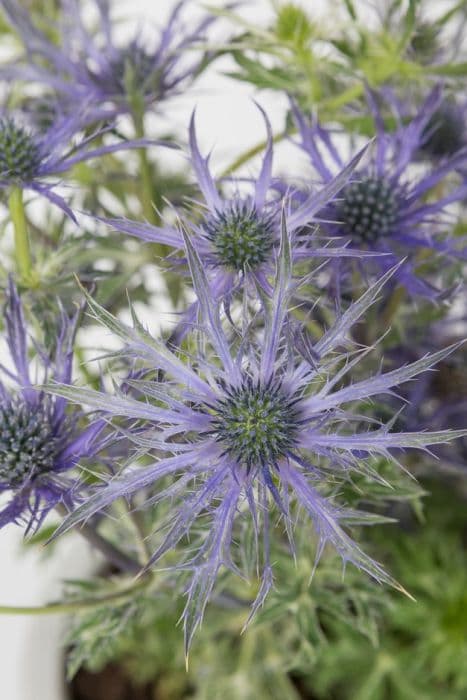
(256, 424)
(92, 66)
(40, 442)
(388, 207)
(445, 132)
(30, 157)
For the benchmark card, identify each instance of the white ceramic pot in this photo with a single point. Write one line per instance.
(31, 650)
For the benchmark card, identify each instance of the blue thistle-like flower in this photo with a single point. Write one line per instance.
(237, 237)
(445, 132)
(253, 424)
(29, 157)
(386, 207)
(40, 442)
(19, 153)
(91, 66)
(369, 209)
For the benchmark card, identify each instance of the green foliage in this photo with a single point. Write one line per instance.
(421, 643)
(265, 661)
(340, 638)
(95, 640)
(95, 637)
(327, 70)
(293, 25)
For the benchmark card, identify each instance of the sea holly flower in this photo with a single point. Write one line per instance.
(91, 65)
(252, 426)
(30, 157)
(445, 132)
(40, 441)
(386, 207)
(237, 237)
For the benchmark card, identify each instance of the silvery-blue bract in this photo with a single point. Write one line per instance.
(260, 423)
(237, 237)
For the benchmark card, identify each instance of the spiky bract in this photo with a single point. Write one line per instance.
(108, 76)
(248, 426)
(40, 440)
(390, 208)
(31, 157)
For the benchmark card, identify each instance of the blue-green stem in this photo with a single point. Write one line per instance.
(18, 217)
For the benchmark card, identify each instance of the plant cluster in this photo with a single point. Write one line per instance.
(308, 366)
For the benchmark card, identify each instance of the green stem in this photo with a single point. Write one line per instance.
(134, 523)
(252, 152)
(331, 104)
(141, 539)
(18, 217)
(393, 305)
(146, 195)
(73, 605)
(149, 212)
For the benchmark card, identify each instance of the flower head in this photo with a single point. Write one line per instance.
(237, 235)
(445, 132)
(30, 157)
(384, 208)
(40, 442)
(92, 66)
(20, 156)
(241, 238)
(254, 425)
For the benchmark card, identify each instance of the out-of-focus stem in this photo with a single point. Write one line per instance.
(146, 194)
(18, 217)
(393, 304)
(111, 553)
(74, 605)
(252, 152)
